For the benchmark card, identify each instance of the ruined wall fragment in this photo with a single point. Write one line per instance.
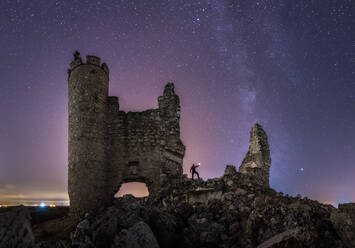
(257, 161)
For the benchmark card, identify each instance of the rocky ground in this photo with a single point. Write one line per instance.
(228, 211)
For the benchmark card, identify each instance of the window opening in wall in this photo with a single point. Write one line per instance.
(133, 167)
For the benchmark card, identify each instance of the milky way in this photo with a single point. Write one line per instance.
(288, 65)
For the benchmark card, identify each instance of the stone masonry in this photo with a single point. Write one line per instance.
(108, 147)
(257, 161)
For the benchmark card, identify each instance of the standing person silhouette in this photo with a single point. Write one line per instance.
(193, 170)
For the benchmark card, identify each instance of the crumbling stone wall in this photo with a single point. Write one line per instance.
(257, 161)
(108, 147)
(144, 146)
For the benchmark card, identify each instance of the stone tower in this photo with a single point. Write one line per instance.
(109, 147)
(257, 161)
(88, 91)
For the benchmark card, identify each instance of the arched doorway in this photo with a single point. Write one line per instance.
(136, 189)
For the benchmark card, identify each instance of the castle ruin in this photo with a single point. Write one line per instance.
(108, 147)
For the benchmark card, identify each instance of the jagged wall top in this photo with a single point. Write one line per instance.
(169, 101)
(169, 89)
(90, 59)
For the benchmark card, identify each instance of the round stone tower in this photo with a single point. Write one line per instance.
(88, 93)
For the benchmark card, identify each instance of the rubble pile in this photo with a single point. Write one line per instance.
(237, 216)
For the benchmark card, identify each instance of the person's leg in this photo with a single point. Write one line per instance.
(192, 175)
(198, 175)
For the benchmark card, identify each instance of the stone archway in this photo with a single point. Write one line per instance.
(150, 187)
(137, 189)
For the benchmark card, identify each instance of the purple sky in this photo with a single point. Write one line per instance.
(288, 65)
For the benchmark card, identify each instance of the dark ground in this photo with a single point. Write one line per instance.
(40, 215)
(48, 223)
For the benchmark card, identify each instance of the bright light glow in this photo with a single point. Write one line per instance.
(52, 205)
(3, 206)
(199, 163)
(42, 205)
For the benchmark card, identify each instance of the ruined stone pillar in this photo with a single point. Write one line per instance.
(88, 92)
(257, 161)
(169, 106)
(174, 150)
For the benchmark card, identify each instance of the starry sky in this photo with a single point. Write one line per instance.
(289, 65)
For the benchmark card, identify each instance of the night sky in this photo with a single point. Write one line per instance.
(289, 65)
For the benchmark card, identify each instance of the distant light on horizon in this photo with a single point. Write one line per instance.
(34, 202)
(42, 205)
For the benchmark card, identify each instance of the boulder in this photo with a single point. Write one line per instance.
(138, 236)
